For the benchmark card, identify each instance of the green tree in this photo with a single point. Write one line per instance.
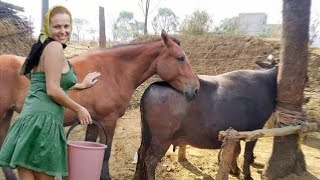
(198, 23)
(93, 32)
(271, 31)
(314, 30)
(78, 26)
(145, 6)
(126, 27)
(165, 19)
(137, 28)
(228, 26)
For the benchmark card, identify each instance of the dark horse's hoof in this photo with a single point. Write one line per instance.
(246, 177)
(108, 178)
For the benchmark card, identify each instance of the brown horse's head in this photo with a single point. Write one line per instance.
(174, 67)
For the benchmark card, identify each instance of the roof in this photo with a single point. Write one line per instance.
(15, 30)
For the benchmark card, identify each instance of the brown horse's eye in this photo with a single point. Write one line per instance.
(180, 58)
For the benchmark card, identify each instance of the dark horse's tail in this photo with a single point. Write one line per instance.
(145, 140)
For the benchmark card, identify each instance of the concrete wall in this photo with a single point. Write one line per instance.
(252, 23)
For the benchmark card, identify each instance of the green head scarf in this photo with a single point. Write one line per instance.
(44, 38)
(45, 31)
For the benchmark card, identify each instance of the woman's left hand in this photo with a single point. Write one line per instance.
(90, 79)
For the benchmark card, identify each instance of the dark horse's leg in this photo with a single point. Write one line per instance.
(92, 134)
(248, 159)
(154, 154)
(149, 156)
(140, 167)
(5, 119)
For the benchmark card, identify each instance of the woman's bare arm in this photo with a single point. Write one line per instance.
(54, 61)
(88, 81)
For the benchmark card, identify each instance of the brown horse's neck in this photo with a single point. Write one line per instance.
(136, 62)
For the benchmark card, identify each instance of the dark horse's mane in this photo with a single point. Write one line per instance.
(161, 83)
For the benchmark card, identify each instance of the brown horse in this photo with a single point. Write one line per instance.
(242, 99)
(122, 69)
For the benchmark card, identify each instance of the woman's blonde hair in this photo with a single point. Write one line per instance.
(59, 10)
(34, 56)
(45, 31)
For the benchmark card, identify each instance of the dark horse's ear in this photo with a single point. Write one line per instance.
(265, 64)
(165, 38)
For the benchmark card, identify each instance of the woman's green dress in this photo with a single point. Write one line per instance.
(37, 140)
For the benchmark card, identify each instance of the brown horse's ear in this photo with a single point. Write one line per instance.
(165, 38)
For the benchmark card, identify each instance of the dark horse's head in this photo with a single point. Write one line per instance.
(174, 67)
(269, 63)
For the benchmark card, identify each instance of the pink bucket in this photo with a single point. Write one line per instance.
(85, 159)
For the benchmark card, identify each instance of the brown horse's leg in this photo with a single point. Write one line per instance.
(234, 169)
(109, 125)
(5, 119)
(182, 153)
(92, 133)
(154, 155)
(9, 174)
(248, 159)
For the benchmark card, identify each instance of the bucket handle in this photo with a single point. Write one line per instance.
(93, 122)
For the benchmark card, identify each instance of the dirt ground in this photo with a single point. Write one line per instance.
(202, 163)
(208, 56)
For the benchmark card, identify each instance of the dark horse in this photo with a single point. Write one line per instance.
(122, 69)
(242, 99)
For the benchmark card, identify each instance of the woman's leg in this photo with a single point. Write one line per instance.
(42, 176)
(25, 174)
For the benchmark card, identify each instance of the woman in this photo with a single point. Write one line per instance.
(36, 143)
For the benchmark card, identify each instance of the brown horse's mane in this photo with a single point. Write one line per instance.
(177, 41)
(144, 43)
(131, 48)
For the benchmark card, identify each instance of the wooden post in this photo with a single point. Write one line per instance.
(259, 133)
(182, 153)
(231, 137)
(102, 28)
(287, 156)
(227, 154)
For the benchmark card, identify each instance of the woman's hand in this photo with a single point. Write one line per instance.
(84, 116)
(90, 79)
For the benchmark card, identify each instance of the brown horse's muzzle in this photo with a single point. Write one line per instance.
(190, 92)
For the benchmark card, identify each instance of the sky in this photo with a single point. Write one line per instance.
(217, 9)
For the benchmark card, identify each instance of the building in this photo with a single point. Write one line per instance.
(252, 23)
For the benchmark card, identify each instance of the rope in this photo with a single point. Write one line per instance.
(286, 117)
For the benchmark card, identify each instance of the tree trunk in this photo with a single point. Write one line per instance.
(287, 156)
(146, 17)
(102, 28)
(145, 32)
